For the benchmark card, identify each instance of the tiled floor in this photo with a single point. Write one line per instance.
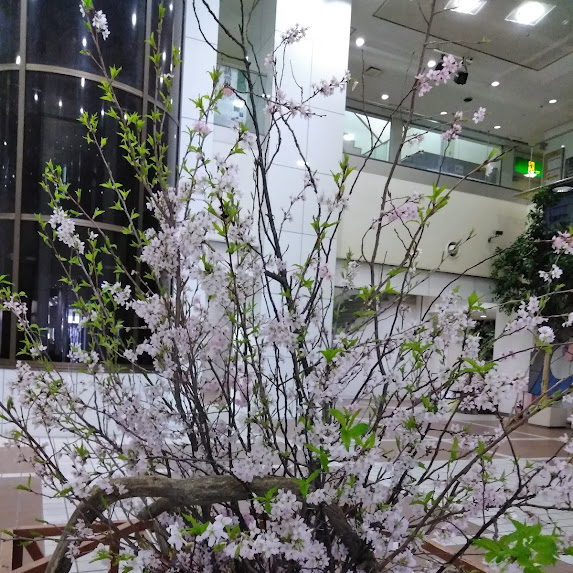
(19, 507)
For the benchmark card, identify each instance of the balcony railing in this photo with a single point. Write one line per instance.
(424, 148)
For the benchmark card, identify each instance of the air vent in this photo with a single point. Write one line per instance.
(373, 72)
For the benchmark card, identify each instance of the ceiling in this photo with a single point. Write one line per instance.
(533, 64)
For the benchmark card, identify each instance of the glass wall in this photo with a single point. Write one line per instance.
(424, 148)
(54, 83)
(367, 136)
(461, 157)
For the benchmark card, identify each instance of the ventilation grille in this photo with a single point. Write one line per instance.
(373, 72)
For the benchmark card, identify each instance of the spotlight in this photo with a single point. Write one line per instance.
(431, 63)
(461, 77)
(360, 42)
(552, 101)
(384, 96)
(495, 84)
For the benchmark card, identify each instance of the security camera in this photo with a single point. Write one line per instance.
(453, 249)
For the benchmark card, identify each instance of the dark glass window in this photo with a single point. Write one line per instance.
(9, 31)
(49, 22)
(8, 136)
(6, 250)
(53, 133)
(171, 35)
(51, 302)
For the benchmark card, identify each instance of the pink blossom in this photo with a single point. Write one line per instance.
(99, 22)
(201, 127)
(294, 34)
(452, 133)
(228, 91)
(563, 242)
(546, 334)
(479, 115)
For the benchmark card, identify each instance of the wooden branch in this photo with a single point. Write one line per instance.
(171, 493)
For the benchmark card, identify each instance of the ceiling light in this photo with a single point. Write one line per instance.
(239, 103)
(82, 110)
(497, 126)
(60, 103)
(466, 6)
(360, 41)
(483, 315)
(171, 6)
(552, 101)
(134, 19)
(348, 137)
(83, 82)
(495, 84)
(431, 63)
(530, 13)
(384, 96)
(84, 42)
(18, 60)
(443, 113)
(563, 189)
(300, 163)
(36, 97)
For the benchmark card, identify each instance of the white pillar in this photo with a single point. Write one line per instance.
(519, 344)
(199, 58)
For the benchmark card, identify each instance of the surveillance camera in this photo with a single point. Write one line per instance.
(453, 249)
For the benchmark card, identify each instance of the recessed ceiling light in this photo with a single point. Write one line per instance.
(431, 63)
(552, 101)
(384, 96)
(497, 126)
(360, 41)
(466, 6)
(348, 137)
(443, 113)
(495, 84)
(530, 13)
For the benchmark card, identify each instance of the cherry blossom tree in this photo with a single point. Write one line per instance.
(210, 404)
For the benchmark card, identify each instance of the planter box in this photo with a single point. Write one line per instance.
(552, 417)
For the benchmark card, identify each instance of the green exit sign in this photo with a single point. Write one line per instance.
(527, 167)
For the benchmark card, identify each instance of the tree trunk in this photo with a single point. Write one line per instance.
(546, 372)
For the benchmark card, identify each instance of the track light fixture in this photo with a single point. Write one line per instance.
(462, 75)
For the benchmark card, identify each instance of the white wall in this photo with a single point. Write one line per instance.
(465, 211)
